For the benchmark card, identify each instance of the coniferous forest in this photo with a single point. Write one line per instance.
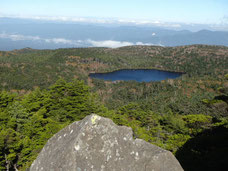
(42, 91)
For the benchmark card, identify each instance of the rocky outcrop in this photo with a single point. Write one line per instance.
(96, 143)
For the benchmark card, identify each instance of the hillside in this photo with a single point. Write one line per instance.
(205, 67)
(173, 114)
(43, 67)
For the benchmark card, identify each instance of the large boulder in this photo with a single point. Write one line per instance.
(96, 143)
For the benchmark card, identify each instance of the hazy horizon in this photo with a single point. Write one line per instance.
(210, 14)
(62, 24)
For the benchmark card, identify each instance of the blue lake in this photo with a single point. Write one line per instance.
(139, 75)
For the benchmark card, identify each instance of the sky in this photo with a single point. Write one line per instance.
(179, 11)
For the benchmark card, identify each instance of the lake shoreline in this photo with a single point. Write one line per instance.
(139, 75)
(178, 72)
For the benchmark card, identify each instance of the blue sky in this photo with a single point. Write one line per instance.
(184, 11)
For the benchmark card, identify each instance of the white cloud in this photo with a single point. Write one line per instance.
(16, 37)
(148, 44)
(225, 19)
(116, 44)
(89, 42)
(222, 25)
(100, 20)
(142, 44)
(59, 40)
(109, 43)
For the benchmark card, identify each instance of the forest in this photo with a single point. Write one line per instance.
(42, 91)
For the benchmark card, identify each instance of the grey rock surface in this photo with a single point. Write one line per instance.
(97, 144)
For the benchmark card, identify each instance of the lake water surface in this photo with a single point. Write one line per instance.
(139, 75)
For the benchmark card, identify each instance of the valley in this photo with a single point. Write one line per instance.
(45, 90)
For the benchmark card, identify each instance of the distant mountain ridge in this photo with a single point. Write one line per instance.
(21, 33)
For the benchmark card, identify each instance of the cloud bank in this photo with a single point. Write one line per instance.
(157, 23)
(17, 37)
(109, 43)
(76, 43)
(116, 44)
(221, 25)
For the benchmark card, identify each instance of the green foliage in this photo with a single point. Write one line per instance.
(5, 99)
(26, 69)
(69, 101)
(226, 76)
(19, 115)
(168, 113)
(27, 122)
(9, 147)
(176, 141)
(133, 110)
(198, 122)
(174, 123)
